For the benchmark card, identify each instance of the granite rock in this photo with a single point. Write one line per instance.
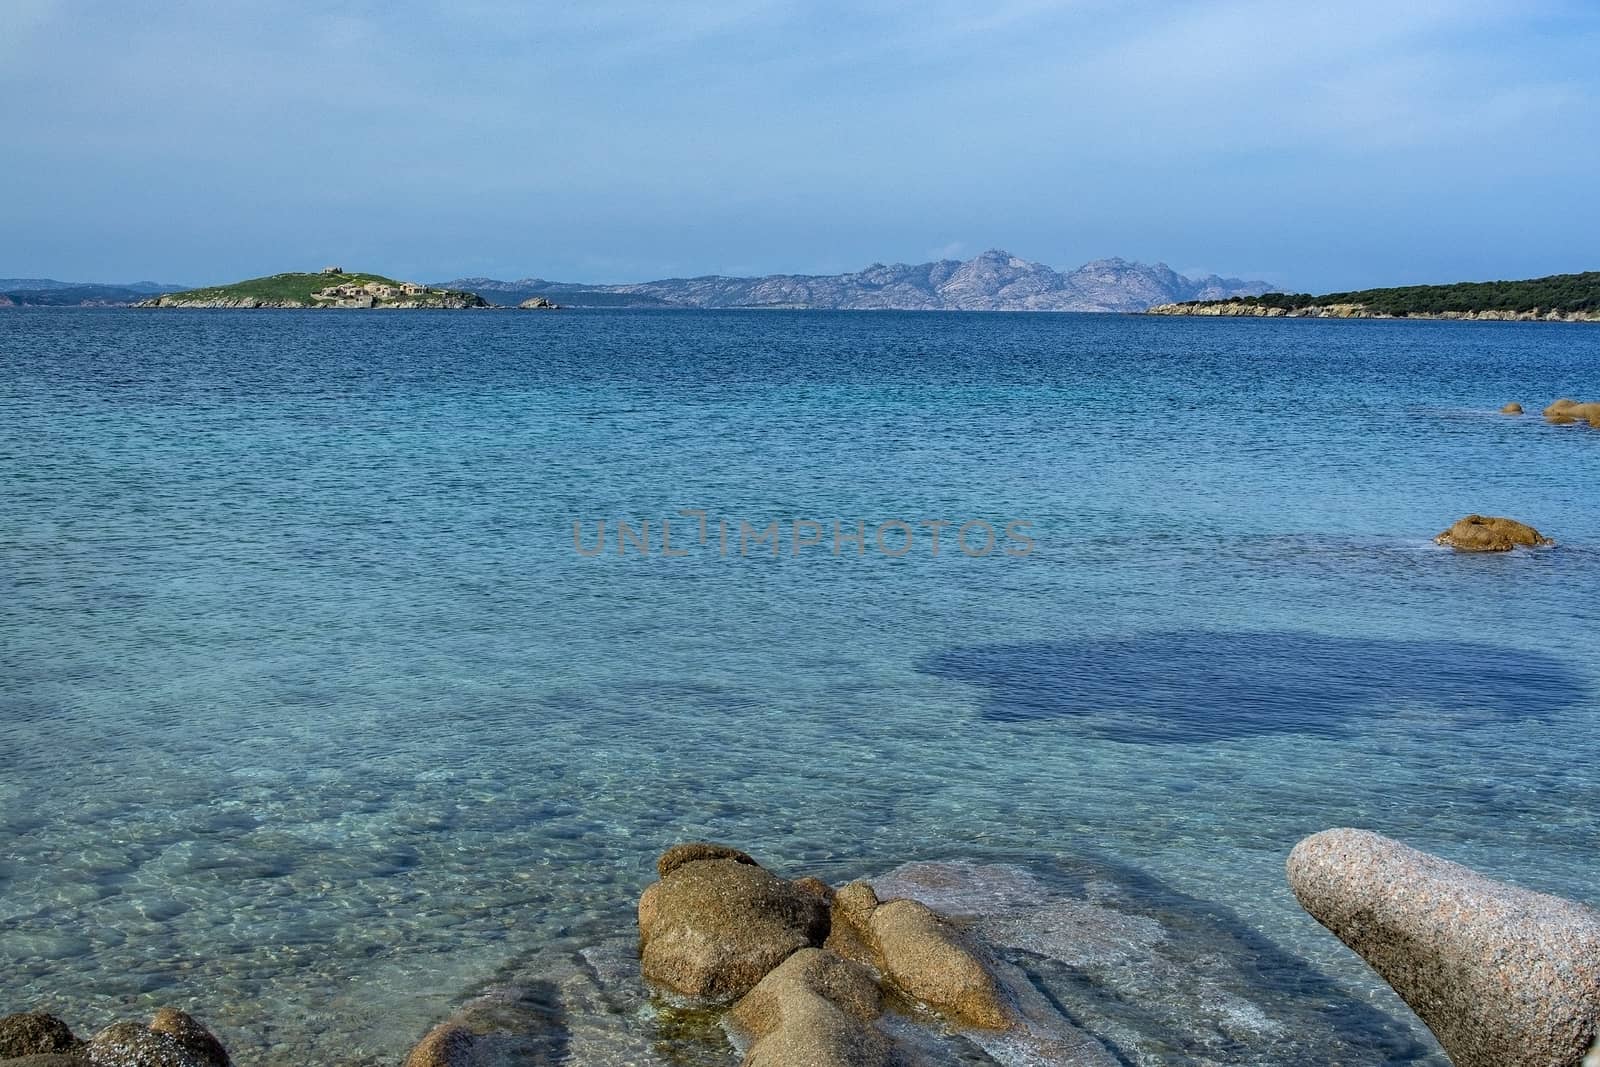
(1484, 533)
(694, 851)
(34, 1032)
(192, 1035)
(1503, 976)
(136, 1045)
(927, 958)
(712, 928)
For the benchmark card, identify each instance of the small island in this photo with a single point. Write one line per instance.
(1556, 298)
(333, 287)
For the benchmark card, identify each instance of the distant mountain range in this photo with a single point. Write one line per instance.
(47, 292)
(993, 281)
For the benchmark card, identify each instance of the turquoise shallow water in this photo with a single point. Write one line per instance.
(312, 717)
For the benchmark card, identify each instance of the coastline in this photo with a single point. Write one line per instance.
(1358, 311)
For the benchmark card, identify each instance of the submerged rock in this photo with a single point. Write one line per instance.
(1484, 533)
(1158, 976)
(1503, 976)
(31, 1033)
(1512, 408)
(712, 928)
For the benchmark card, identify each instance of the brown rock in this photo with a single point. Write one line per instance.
(694, 852)
(446, 1045)
(1512, 408)
(134, 1045)
(817, 888)
(191, 1034)
(1503, 976)
(850, 928)
(814, 1032)
(848, 986)
(929, 959)
(1482, 533)
(78, 1058)
(1567, 411)
(713, 928)
(29, 1033)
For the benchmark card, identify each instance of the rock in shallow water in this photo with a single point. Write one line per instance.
(192, 1035)
(34, 1032)
(1486, 533)
(929, 959)
(712, 928)
(1503, 976)
(136, 1045)
(814, 1009)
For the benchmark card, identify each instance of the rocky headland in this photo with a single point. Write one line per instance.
(1361, 311)
(1554, 298)
(330, 288)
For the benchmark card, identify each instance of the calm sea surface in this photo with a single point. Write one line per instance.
(312, 717)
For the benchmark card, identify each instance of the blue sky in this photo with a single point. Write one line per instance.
(1318, 146)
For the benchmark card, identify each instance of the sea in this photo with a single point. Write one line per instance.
(354, 663)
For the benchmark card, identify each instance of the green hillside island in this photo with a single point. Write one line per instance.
(1558, 298)
(331, 288)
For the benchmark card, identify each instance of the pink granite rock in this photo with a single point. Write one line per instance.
(1503, 976)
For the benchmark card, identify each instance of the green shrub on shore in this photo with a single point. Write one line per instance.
(1564, 293)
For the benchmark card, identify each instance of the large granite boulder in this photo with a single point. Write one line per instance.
(447, 1045)
(31, 1033)
(694, 851)
(1564, 412)
(136, 1045)
(1485, 533)
(814, 1009)
(930, 960)
(922, 953)
(189, 1032)
(1503, 976)
(712, 928)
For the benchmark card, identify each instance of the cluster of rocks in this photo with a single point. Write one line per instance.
(171, 1039)
(808, 970)
(806, 975)
(1566, 411)
(1343, 310)
(538, 303)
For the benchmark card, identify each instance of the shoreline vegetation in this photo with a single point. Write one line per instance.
(332, 287)
(1555, 298)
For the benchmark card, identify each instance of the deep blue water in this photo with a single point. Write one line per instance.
(312, 714)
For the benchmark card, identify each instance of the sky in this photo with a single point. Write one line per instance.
(1319, 147)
